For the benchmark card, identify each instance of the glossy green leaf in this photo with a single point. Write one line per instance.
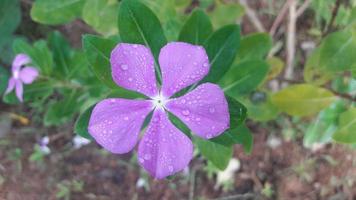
(81, 125)
(40, 54)
(222, 47)
(56, 11)
(238, 112)
(62, 111)
(101, 15)
(323, 127)
(138, 24)
(4, 78)
(216, 153)
(224, 14)
(10, 17)
(347, 126)
(239, 135)
(337, 51)
(302, 99)
(37, 91)
(254, 46)
(196, 29)
(244, 77)
(97, 51)
(61, 53)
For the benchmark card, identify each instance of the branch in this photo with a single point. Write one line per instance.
(279, 18)
(303, 7)
(333, 16)
(253, 17)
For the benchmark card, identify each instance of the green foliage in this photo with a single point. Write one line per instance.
(81, 125)
(38, 91)
(228, 13)
(244, 77)
(347, 127)
(222, 47)
(302, 99)
(101, 15)
(4, 78)
(139, 25)
(54, 12)
(254, 46)
(196, 29)
(237, 111)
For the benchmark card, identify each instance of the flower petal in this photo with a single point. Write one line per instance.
(20, 59)
(204, 110)
(28, 74)
(182, 64)
(11, 85)
(19, 90)
(116, 123)
(132, 68)
(164, 150)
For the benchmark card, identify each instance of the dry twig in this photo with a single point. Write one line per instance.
(253, 17)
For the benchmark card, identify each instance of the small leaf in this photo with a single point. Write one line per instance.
(222, 47)
(244, 77)
(196, 29)
(97, 51)
(240, 135)
(54, 12)
(81, 125)
(302, 99)
(276, 67)
(347, 126)
(313, 72)
(224, 14)
(254, 46)
(101, 15)
(4, 78)
(138, 24)
(216, 153)
(237, 111)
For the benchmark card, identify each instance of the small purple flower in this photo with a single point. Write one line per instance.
(115, 123)
(21, 75)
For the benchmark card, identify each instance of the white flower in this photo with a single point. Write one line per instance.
(80, 141)
(228, 174)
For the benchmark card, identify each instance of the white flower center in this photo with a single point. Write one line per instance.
(159, 101)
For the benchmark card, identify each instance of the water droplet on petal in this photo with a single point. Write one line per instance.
(141, 160)
(198, 119)
(170, 168)
(147, 156)
(135, 46)
(126, 118)
(185, 112)
(124, 67)
(130, 79)
(211, 110)
(205, 64)
(209, 136)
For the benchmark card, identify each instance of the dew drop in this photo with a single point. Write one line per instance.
(205, 64)
(170, 168)
(211, 110)
(185, 112)
(124, 67)
(209, 136)
(147, 156)
(141, 160)
(130, 79)
(126, 118)
(183, 101)
(198, 119)
(135, 46)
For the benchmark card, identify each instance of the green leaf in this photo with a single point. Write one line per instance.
(337, 51)
(40, 54)
(216, 153)
(240, 135)
(224, 14)
(54, 12)
(4, 78)
(62, 111)
(222, 47)
(37, 91)
(61, 53)
(101, 15)
(244, 77)
(254, 46)
(302, 99)
(347, 126)
(138, 24)
(97, 51)
(81, 125)
(196, 29)
(119, 92)
(10, 17)
(237, 111)
(322, 129)
(276, 66)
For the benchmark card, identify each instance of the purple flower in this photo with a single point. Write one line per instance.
(21, 75)
(115, 123)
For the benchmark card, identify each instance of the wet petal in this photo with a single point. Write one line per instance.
(132, 68)
(116, 123)
(164, 150)
(10, 86)
(19, 90)
(28, 74)
(19, 60)
(204, 110)
(182, 64)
